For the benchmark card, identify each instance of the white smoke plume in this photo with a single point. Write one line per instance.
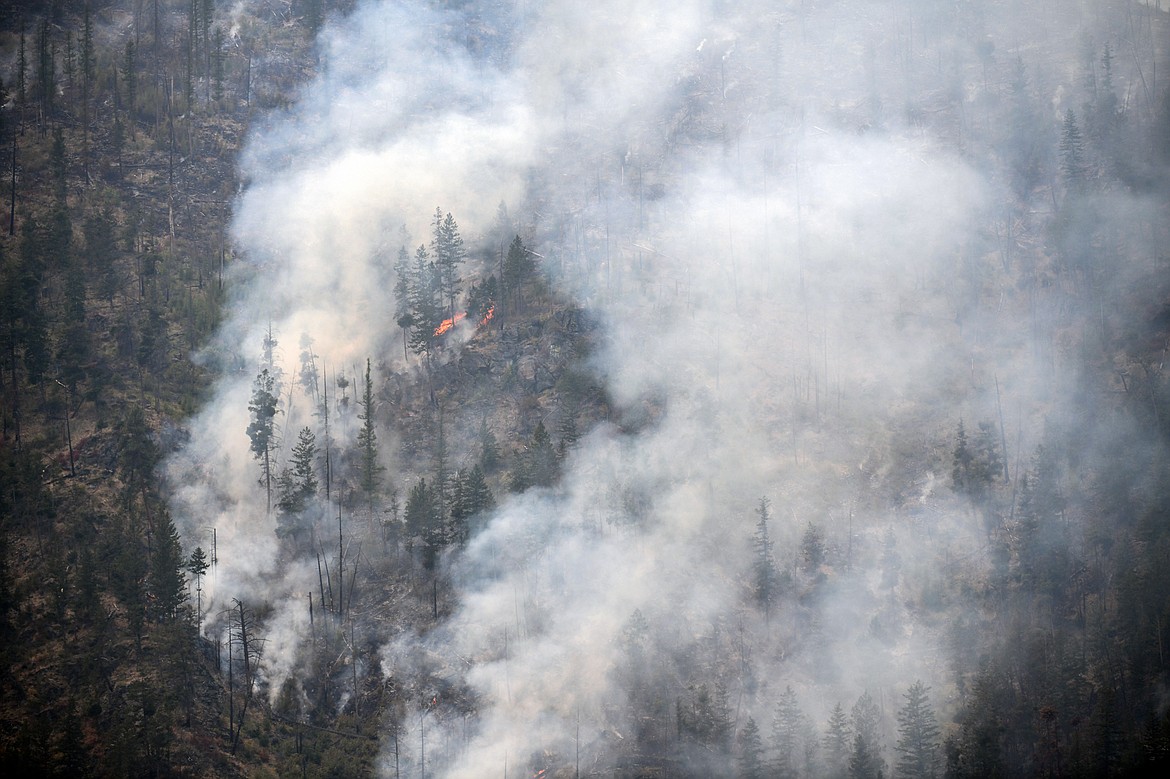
(783, 257)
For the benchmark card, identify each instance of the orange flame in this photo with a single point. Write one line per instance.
(449, 323)
(488, 316)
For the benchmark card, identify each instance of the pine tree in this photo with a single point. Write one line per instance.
(304, 457)
(423, 517)
(217, 69)
(425, 303)
(449, 253)
(918, 735)
(262, 429)
(837, 742)
(538, 463)
(367, 440)
(865, 760)
(471, 497)
(751, 751)
(489, 450)
(812, 549)
(167, 584)
(518, 267)
(130, 79)
(101, 251)
(764, 566)
(961, 461)
(788, 724)
(1072, 154)
(197, 566)
(404, 283)
(297, 484)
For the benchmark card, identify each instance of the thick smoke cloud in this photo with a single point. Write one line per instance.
(784, 257)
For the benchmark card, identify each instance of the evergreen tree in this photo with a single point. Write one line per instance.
(837, 742)
(918, 735)
(309, 375)
(489, 450)
(764, 565)
(471, 497)
(1072, 154)
(481, 300)
(865, 760)
(217, 69)
(297, 486)
(167, 583)
(518, 267)
(976, 466)
(304, 458)
(404, 283)
(1024, 139)
(751, 752)
(262, 429)
(812, 549)
(788, 725)
(130, 79)
(197, 566)
(58, 245)
(449, 253)
(74, 345)
(425, 303)
(423, 520)
(101, 251)
(538, 462)
(367, 440)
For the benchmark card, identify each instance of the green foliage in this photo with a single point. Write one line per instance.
(518, 270)
(425, 293)
(471, 497)
(865, 758)
(705, 718)
(489, 450)
(262, 429)
(976, 466)
(1072, 154)
(138, 454)
(751, 752)
(764, 562)
(481, 299)
(788, 727)
(168, 586)
(198, 564)
(101, 251)
(812, 549)
(423, 517)
(537, 465)
(449, 253)
(918, 735)
(370, 477)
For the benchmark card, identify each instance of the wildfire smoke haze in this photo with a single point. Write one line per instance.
(787, 220)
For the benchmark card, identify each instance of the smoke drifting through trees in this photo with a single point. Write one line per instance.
(790, 221)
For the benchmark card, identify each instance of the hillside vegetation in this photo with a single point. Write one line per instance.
(787, 421)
